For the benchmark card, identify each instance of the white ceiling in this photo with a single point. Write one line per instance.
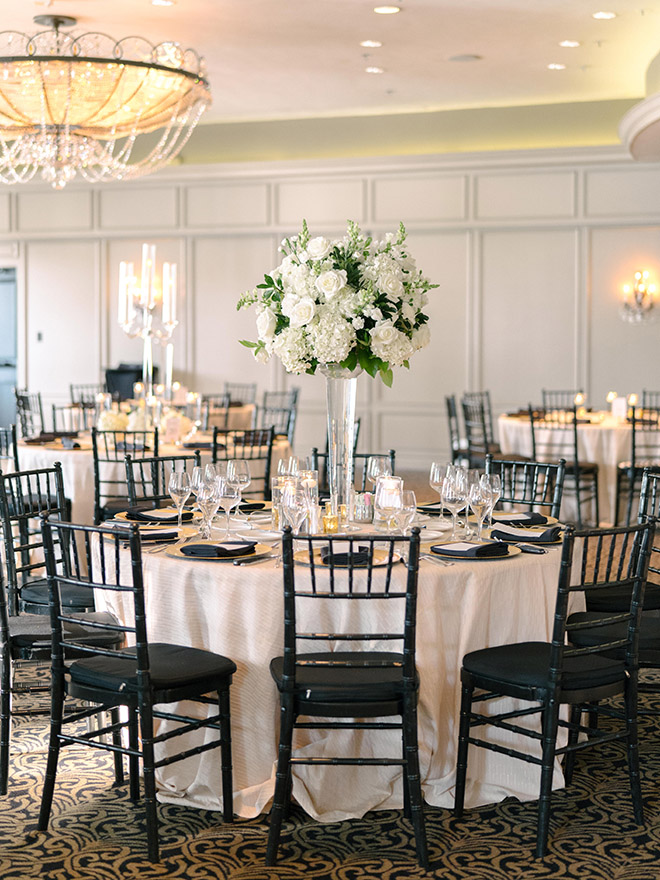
(277, 59)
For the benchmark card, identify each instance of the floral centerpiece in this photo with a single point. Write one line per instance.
(111, 420)
(341, 306)
(353, 301)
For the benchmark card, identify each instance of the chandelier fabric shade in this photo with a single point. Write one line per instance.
(79, 105)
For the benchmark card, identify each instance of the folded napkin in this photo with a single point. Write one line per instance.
(156, 516)
(235, 403)
(222, 551)
(251, 506)
(433, 509)
(131, 446)
(49, 437)
(465, 548)
(158, 534)
(520, 519)
(509, 533)
(340, 554)
(201, 444)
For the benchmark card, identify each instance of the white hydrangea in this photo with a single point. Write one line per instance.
(291, 348)
(109, 420)
(332, 338)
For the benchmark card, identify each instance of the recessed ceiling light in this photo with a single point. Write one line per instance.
(556, 67)
(163, 2)
(604, 16)
(371, 44)
(374, 70)
(387, 10)
(569, 44)
(466, 57)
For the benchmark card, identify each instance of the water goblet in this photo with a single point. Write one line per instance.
(238, 471)
(480, 501)
(294, 504)
(378, 466)
(494, 484)
(454, 496)
(179, 489)
(230, 496)
(388, 500)
(406, 513)
(208, 499)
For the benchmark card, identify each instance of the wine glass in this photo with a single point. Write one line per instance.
(294, 504)
(208, 499)
(378, 466)
(196, 480)
(406, 513)
(494, 484)
(436, 476)
(230, 496)
(238, 471)
(388, 500)
(179, 489)
(455, 495)
(480, 500)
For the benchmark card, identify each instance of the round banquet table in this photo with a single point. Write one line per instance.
(78, 467)
(604, 440)
(238, 611)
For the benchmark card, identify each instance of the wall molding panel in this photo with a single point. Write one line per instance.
(530, 249)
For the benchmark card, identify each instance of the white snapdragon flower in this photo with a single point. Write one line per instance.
(302, 280)
(331, 282)
(358, 323)
(408, 311)
(266, 323)
(261, 355)
(318, 248)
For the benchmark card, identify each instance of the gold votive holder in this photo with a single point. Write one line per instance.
(330, 524)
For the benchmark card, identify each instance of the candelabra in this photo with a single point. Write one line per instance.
(149, 312)
(638, 299)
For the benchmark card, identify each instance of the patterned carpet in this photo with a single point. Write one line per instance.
(96, 832)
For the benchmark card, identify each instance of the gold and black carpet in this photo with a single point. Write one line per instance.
(97, 833)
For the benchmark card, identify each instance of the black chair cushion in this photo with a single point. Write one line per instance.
(33, 630)
(113, 506)
(586, 467)
(342, 684)
(36, 593)
(171, 666)
(527, 664)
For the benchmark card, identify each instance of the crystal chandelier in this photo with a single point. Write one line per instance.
(91, 106)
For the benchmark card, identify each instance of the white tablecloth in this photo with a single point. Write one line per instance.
(605, 441)
(78, 468)
(237, 611)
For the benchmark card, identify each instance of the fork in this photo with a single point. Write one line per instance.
(437, 559)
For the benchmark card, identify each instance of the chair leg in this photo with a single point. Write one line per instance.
(461, 758)
(632, 750)
(413, 777)
(281, 778)
(578, 498)
(404, 776)
(225, 755)
(5, 719)
(550, 723)
(148, 769)
(631, 492)
(116, 741)
(56, 714)
(133, 760)
(569, 762)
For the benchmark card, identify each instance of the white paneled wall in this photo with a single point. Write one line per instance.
(530, 250)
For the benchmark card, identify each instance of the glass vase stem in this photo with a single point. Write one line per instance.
(341, 391)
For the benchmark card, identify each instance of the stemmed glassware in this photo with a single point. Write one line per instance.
(406, 513)
(388, 500)
(196, 480)
(294, 504)
(238, 472)
(378, 466)
(229, 497)
(436, 476)
(480, 501)
(208, 499)
(494, 485)
(455, 495)
(179, 489)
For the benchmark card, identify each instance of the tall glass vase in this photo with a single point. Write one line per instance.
(341, 392)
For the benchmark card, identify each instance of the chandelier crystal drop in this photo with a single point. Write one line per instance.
(94, 107)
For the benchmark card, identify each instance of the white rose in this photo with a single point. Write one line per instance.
(266, 323)
(318, 247)
(421, 337)
(302, 313)
(289, 304)
(331, 282)
(383, 333)
(390, 285)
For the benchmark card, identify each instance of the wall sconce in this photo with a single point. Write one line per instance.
(638, 299)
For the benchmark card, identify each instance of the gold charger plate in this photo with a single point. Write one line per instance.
(380, 558)
(259, 550)
(513, 551)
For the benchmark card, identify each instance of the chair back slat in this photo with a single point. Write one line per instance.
(147, 479)
(243, 392)
(109, 450)
(86, 393)
(256, 446)
(532, 485)
(30, 412)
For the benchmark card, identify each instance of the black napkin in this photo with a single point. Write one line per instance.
(219, 551)
(159, 535)
(137, 515)
(522, 519)
(251, 506)
(359, 556)
(433, 509)
(201, 444)
(547, 536)
(49, 437)
(235, 403)
(471, 550)
(131, 446)
(69, 443)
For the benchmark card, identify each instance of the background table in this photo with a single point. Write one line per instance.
(237, 611)
(78, 468)
(605, 441)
